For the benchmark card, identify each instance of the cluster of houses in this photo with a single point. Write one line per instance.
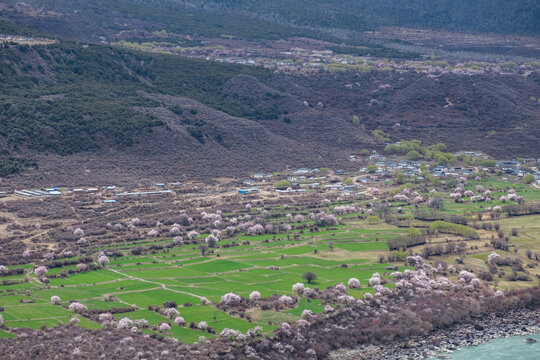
(22, 40)
(305, 179)
(55, 192)
(111, 193)
(105, 191)
(390, 165)
(308, 60)
(37, 193)
(521, 168)
(301, 180)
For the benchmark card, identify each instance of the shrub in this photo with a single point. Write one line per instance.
(413, 155)
(230, 299)
(286, 300)
(282, 184)
(298, 288)
(164, 327)
(528, 179)
(523, 209)
(254, 295)
(77, 307)
(380, 135)
(372, 220)
(446, 227)
(41, 270)
(414, 233)
(180, 321)
(354, 283)
(309, 276)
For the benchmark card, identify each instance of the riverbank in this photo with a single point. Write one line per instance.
(438, 342)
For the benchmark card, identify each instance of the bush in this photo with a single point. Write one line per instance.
(398, 256)
(524, 209)
(414, 233)
(528, 179)
(403, 243)
(451, 228)
(413, 155)
(400, 178)
(431, 215)
(309, 276)
(401, 188)
(282, 184)
(372, 220)
(380, 135)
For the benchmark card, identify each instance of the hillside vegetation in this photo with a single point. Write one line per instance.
(66, 98)
(94, 18)
(69, 98)
(521, 16)
(273, 19)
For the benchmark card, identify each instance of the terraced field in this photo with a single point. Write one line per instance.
(184, 276)
(139, 286)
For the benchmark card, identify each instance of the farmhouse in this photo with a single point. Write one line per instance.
(507, 164)
(248, 190)
(143, 193)
(301, 171)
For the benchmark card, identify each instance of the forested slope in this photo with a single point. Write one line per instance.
(519, 16)
(271, 19)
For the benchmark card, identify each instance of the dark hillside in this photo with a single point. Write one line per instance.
(499, 16)
(227, 146)
(92, 19)
(96, 20)
(96, 107)
(66, 98)
(484, 112)
(258, 101)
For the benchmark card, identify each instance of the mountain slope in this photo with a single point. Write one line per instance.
(273, 19)
(76, 107)
(93, 20)
(498, 16)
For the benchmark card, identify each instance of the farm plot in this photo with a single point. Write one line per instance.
(144, 275)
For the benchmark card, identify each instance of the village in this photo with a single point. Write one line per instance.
(264, 180)
(307, 56)
(373, 171)
(166, 258)
(25, 40)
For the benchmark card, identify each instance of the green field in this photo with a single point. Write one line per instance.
(184, 276)
(270, 264)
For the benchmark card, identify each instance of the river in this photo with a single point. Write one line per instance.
(513, 347)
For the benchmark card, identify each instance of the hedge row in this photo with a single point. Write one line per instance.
(451, 228)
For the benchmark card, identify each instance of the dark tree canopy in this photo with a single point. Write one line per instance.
(309, 276)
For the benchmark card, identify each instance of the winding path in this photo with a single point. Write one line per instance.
(163, 286)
